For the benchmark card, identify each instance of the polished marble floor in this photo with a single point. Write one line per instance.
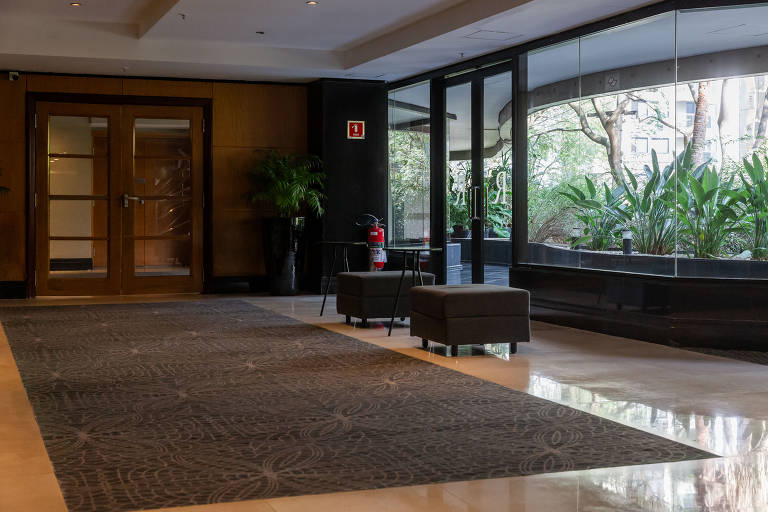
(717, 404)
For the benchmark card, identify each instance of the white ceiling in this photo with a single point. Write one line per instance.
(385, 40)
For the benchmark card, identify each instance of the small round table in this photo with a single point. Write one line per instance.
(414, 251)
(345, 245)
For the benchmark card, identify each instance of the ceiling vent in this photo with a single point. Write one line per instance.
(493, 35)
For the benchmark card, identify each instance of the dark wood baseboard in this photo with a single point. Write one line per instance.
(13, 289)
(237, 284)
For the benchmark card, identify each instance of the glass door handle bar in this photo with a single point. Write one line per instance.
(475, 201)
(127, 198)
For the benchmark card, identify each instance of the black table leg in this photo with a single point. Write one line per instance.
(418, 268)
(328, 284)
(397, 295)
(346, 260)
(413, 268)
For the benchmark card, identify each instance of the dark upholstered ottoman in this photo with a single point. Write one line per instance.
(367, 295)
(468, 314)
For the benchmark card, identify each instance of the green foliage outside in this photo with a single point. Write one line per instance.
(597, 214)
(408, 175)
(708, 210)
(647, 213)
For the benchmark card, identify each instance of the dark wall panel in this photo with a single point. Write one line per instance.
(357, 169)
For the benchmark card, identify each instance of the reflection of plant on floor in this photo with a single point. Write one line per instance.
(601, 224)
(648, 215)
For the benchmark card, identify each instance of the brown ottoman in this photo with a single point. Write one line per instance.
(468, 314)
(367, 295)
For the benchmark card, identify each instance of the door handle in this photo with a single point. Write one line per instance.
(127, 198)
(475, 201)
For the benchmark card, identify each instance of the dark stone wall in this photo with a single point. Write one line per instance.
(356, 169)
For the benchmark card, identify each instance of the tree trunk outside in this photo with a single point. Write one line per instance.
(699, 136)
(762, 125)
(614, 153)
(727, 131)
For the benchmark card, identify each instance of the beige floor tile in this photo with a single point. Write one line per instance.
(237, 506)
(433, 498)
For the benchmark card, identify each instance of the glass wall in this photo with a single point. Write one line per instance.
(646, 146)
(497, 177)
(408, 216)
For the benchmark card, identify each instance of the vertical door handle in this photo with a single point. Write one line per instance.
(475, 201)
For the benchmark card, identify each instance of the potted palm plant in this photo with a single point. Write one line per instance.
(294, 185)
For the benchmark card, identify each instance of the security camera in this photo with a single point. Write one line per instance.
(13, 76)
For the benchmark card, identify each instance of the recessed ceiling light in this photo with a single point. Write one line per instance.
(75, 4)
(311, 2)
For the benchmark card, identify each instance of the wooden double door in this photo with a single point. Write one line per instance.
(118, 199)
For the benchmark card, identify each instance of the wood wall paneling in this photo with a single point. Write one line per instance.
(174, 88)
(12, 246)
(260, 116)
(74, 84)
(12, 109)
(236, 223)
(12, 210)
(237, 244)
(247, 120)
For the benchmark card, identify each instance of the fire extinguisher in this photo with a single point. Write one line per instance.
(375, 239)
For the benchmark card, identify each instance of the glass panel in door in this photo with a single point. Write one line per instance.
(497, 177)
(163, 199)
(76, 151)
(458, 130)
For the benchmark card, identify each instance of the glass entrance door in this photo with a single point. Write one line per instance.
(118, 199)
(459, 191)
(497, 178)
(479, 199)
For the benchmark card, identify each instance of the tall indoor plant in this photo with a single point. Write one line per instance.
(293, 184)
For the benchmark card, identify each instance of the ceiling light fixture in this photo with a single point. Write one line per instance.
(311, 2)
(75, 4)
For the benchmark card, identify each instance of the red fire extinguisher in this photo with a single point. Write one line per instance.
(375, 238)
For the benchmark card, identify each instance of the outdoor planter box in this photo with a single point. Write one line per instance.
(547, 254)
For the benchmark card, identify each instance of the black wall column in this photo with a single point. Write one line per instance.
(356, 169)
(437, 227)
(478, 181)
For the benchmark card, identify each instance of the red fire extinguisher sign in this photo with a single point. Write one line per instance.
(355, 129)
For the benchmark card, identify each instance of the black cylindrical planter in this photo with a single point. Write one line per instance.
(281, 240)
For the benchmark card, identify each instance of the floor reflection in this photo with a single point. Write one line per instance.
(720, 434)
(736, 484)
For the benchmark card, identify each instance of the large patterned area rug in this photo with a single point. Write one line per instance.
(158, 405)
